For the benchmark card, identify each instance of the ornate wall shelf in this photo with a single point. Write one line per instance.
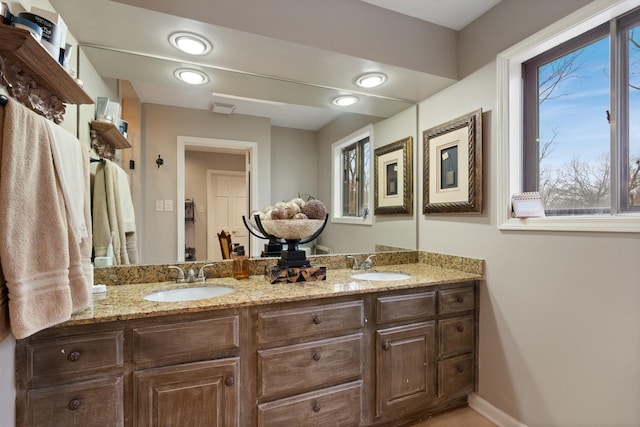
(34, 78)
(106, 138)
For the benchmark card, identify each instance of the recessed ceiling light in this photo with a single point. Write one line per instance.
(191, 43)
(191, 76)
(369, 80)
(345, 100)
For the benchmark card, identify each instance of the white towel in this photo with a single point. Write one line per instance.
(68, 161)
(126, 203)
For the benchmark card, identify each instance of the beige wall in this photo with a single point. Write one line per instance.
(559, 344)
(294, 163)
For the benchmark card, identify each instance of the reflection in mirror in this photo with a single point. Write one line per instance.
(290, 121)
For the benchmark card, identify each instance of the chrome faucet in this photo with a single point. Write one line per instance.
(367, 264)
(201, 274)
(355, 263)
(180, 277)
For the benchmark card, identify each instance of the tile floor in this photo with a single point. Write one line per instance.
(461, 417)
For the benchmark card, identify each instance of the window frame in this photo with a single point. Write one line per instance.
(337, 178)
(510, 121)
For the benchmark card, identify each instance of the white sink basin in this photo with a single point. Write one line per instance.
(188, 294)
(381, 276)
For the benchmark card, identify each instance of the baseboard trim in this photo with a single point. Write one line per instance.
(493, 414)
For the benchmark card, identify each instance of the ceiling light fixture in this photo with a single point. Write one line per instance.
(369, 80)
(345, 100)
(190, 43)
(191, 76)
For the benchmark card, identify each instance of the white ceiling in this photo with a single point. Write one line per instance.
(454, 14)
(127, 39)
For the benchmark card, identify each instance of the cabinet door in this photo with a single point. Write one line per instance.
(191, 394)
(405, 367)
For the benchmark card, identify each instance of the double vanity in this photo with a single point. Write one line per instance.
(387, 348)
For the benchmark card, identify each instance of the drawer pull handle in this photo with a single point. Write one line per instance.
(316, 407)
(73, 404)
(73, 356)
(386, 346)
(316, 356)
(460, 328)
(317, 320)
(229, 381)
(460, 299)
(460, 369)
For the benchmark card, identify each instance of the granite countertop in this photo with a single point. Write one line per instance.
(124, 302)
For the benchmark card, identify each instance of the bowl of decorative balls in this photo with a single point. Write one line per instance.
(293, 220)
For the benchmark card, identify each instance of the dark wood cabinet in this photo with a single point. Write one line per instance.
(375, 359)
(191, 394)
(405, 368)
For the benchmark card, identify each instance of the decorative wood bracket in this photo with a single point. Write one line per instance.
(27, 91)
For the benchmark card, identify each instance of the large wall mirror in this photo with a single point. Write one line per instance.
(280, 94)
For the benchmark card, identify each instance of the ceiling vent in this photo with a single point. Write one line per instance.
(222, 108)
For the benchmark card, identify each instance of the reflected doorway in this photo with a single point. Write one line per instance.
(188, 144)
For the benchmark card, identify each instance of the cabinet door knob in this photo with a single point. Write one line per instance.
(317, 320)
(460, 299)
(229, 380)
(316, 356)
(386, 346)
(73, 356)
(460, 328)
(460, 369)
(316, 407)
(73, 404)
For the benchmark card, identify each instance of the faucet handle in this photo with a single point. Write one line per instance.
(367, 263)
(201, 275)
(180, 277)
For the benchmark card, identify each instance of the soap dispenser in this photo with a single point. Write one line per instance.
(240, 263)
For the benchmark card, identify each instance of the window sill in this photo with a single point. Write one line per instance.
(599, 223)
(351, 220)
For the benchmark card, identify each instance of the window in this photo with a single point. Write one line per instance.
(352, 178)
(569, 126)
(568, 153)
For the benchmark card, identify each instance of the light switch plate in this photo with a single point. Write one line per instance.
(168, 205)
(159, 205)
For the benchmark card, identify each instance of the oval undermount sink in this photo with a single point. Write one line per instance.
(188, 294)
(380, 276)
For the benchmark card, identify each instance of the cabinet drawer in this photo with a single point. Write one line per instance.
(456, 300)
(404, 307)
(86, 403)
(195, 340)
(74, 357)
(334, 406)
(302, 367)
(455, 376)
(455, 336)
(309, 321)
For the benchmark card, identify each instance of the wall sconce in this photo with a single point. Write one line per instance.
(159, 161)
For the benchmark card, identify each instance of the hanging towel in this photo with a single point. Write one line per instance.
(67, 156)
(39, 252)
(107, 214)
(128, 215)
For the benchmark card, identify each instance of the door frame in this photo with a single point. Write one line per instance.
(224, 144)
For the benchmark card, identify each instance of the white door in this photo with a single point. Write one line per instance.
(226, 203)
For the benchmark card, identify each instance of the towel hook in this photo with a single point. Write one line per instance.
(159, 161)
